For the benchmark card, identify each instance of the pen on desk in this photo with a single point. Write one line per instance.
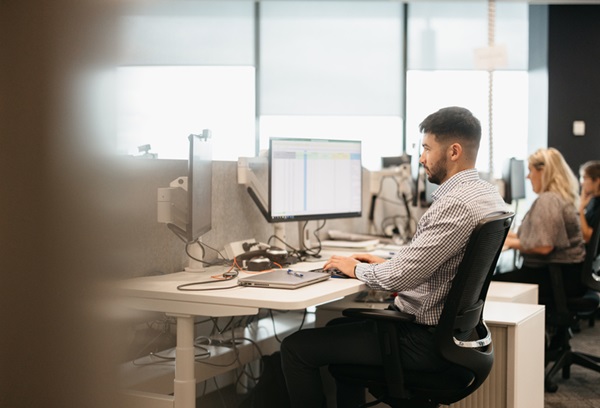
(298, 274)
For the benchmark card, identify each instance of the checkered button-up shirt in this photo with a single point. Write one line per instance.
(422, 271)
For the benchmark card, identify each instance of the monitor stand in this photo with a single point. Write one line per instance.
(194, 265)
(279, 233)
(304, 242)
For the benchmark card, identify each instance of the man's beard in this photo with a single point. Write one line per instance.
(438, 172)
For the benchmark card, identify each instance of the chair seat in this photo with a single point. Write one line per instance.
(442, 386)
(586, 304)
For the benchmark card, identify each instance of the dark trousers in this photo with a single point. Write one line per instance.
(346, 341)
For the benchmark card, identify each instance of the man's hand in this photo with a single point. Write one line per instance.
(584, 200)
(368, 258)
(346, 264)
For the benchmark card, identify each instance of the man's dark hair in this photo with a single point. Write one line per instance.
(452, 123)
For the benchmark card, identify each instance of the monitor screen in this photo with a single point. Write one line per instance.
(312, 179)
(513, 175)
(199, 220)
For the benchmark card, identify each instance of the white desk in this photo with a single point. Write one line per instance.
(160, 293)
(512, 292)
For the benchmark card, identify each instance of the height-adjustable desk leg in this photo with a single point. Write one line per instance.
(185, 380)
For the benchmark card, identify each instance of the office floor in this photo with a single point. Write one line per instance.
(582, 390)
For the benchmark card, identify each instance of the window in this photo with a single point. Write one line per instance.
(186, 66)
(332, 70)
(162, 105)
(428, 91)
(442, 38)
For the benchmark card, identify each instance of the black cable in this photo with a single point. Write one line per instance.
(205, 354)
(293, 250)
(197, 357)
(223, 258)
(185, 286)
(202, 321)
(261, 368)
(204, 390)
(275, 329)
(314, 251)
(216, 324)
(293, 253)
(222, 261)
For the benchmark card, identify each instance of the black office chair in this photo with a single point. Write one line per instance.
(461, 336)
(562, 312)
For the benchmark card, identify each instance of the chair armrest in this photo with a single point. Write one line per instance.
(379, 314)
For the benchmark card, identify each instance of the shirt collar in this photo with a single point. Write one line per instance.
(459, 178)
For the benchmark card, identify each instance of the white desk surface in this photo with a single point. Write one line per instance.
(512, 292)
(160, 293)
(509, 314)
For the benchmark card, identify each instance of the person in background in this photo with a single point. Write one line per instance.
(421, 271)
(550, 231)
(589, 201)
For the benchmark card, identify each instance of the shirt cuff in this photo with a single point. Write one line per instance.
(364, 272)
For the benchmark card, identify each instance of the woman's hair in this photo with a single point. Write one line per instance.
(557, 175)
(590, 169)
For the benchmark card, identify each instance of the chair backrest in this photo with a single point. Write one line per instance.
(590, 274)
(562, 308)
(461, 335)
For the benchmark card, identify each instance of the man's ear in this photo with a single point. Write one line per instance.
(455, 151)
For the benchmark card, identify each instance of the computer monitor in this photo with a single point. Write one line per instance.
(513, 175)
(199, 186)
(197, 210)
(314, 179)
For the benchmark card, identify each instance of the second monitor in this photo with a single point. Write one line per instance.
(314, 179)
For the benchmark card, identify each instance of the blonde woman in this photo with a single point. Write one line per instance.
(550, 231)
(589, 201)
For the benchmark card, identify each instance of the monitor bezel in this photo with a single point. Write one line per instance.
(513, 175)
(316, 216)
(201, 146)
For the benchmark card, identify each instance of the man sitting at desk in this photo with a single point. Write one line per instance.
(421, 272)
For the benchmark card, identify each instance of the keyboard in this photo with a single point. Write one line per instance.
(333, 272)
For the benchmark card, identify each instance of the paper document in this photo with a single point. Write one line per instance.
(349, 236)
(366, 245)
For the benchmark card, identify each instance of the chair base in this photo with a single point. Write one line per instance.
(563, 361)
(402, 403)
